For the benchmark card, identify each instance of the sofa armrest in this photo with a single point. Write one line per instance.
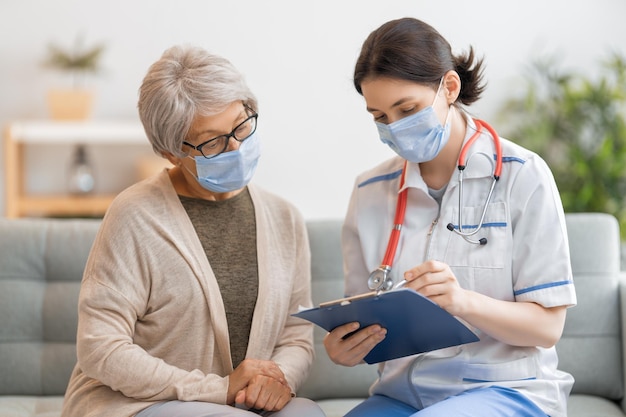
(622, 293)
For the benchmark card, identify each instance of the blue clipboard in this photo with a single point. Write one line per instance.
(414, 323)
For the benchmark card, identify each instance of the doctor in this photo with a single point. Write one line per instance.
(487, 243)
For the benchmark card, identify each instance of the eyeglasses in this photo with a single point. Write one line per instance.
(213, 147)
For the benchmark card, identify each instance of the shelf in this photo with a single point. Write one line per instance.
(88, 205)
(101, 132)
(20, 134)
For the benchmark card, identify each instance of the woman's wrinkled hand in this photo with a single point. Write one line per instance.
(264, 393)
(247, 371)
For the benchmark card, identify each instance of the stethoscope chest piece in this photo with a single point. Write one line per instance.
(379, 279)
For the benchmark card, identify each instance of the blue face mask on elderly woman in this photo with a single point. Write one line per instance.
(229, 171)
(418, 137)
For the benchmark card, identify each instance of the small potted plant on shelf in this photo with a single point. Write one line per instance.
(74, 103)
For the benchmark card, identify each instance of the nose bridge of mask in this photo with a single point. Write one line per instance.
(229, 149)
(385, 130)
(222, 162)
(233, 144)
(418, 137)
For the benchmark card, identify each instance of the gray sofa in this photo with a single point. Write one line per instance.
(41, 263)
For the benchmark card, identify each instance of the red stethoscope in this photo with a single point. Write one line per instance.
(380, 279)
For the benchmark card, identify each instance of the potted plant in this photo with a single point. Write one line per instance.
(578, 125)
(74, 103)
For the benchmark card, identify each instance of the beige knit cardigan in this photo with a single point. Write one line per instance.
(152, 325)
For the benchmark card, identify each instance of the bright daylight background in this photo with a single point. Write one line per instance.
(298, 58)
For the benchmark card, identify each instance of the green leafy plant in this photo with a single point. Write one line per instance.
(78, 61)
(578, 125)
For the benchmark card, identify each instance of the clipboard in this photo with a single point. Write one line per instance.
(414, 323)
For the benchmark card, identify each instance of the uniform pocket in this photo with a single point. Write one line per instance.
(517, 370)
(482, 268)
(495, 229)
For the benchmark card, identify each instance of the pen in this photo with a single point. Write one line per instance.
(400, 284)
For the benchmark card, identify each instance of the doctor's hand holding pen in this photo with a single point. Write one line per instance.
(511, 322)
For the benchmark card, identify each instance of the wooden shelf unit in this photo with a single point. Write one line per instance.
(18, 135)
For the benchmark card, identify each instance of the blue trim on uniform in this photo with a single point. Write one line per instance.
(384, 177)
(543, 286)
(509, 159)
(513, 159)
(396, 174)
(486, 380)
(474, 226)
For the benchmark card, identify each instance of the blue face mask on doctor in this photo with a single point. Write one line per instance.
(418, 137)
(229, 171)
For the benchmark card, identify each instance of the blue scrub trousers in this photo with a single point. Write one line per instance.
(483, 402)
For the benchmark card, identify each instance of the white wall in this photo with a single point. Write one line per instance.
(298, 58)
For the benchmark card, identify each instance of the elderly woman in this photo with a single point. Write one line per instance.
(186, 298)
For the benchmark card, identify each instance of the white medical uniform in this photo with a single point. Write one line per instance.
(526, 259)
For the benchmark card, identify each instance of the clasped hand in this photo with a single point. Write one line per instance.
(432, 279)
(258, 384)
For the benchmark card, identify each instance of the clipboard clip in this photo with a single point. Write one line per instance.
(348, 300)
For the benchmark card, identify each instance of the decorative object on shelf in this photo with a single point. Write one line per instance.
(73, 103)
(81, 178)
(20, 135)
(577, 124)
(69, 104)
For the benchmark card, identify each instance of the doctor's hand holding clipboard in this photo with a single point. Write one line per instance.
(475, 225)
(349, 350)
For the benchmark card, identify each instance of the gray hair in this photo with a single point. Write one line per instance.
(185, 82)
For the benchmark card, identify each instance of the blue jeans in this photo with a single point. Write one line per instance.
(484, 402)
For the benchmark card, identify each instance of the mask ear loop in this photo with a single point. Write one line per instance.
(437, 93)
(188, 170)
(435, 101)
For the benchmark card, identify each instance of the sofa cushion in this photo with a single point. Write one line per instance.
(581, 405)
(30, 406)
(42, 267)
(591, 345)
(327, 380)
